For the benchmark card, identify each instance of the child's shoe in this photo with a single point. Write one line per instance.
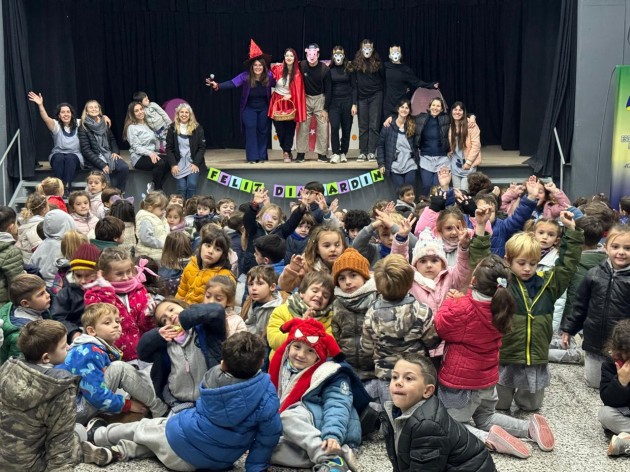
(370, 421)
(336, 464)
(501, 441)
(350, 455)
(98, 455)
(541, 433)
(93, 425)
(619, 445)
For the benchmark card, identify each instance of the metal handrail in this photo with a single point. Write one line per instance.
(2, 164)
(562, 161)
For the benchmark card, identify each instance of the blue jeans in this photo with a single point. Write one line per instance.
(429, 179)
(257, 125)
(118, 178)
(187, 186)
(64, 167)
(399, 180)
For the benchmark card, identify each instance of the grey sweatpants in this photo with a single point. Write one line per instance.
(523, 398)
(593, 369)
(481, 411)
(142, 439)
(612, 419)
(314, 106)
(120, 375)
(301, 443)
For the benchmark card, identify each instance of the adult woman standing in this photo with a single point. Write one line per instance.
(65, 157)
(99, 146)
(144, 146)
(396, 153)
(342, 106)
(287, 95)
(256, 83)
(432, 134)
(185, 149)
(465, 146)
(368, 70)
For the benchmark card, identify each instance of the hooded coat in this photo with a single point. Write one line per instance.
(227, 421)
(56, 224)
(38, 407)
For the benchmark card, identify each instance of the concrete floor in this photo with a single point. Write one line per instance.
(570, 406)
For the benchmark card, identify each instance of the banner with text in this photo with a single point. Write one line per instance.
(620, 163)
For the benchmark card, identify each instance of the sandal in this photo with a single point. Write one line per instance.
(287, 158)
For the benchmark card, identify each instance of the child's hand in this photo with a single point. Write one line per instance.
(321, 201)
(496, 191)
(623, 373)
(297, 262)
(551, 187)
(310, 313)
(384, 218)
(566, 218)
(444, 177)
(169, 332)
(331, 446)
(532, 187)
(482, 216)
(464, 237)
(334, 205)
(137, 407)
(452, 293)
(389, 208)
(304, 199)
(405, 226)
(259, 196)
(566, 339)
(150, 309)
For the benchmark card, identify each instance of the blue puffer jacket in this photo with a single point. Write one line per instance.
(502, 230)
(335, 399)
(226, 422)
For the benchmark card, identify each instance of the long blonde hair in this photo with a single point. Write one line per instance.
(36, 204)
(192, 122)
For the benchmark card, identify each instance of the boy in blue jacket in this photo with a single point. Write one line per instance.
(237, 411)
(320, 400)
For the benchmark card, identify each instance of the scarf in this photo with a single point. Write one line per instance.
(422, 280)
(448, 246)
(178, 227)
(297, 307)
(384, 250)
(126, 286)
(100, 133)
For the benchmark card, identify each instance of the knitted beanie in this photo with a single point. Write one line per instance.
(428, 245)
(85, 257)
(312, 333)
(351, 259)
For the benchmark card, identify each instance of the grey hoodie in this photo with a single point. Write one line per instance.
(56, 224)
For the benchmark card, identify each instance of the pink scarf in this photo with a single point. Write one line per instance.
(127, 286)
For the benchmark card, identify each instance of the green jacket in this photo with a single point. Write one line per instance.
(528, 341)
(11, 265)
(11, 332)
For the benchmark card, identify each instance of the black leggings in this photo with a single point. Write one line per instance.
(159, 170)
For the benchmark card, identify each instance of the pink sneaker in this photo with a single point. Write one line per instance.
(540, 432)
(503, 442)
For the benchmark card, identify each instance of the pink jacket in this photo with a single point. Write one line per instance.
(133, 322)
(471, 358)
(472, 149)
(85, 224)
(511, 199)
(457, 277)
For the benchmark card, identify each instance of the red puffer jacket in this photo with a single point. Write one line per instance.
(471, 358)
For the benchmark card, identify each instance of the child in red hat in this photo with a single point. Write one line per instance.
(320, 400)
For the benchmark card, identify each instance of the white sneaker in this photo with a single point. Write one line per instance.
(334, 159)
(362, 158)
(371, 157)
(343, 158)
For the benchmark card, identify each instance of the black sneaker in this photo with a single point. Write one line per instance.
(322, 158)
(93, 425)
(300, 157)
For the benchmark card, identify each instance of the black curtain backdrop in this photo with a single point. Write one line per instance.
(500, 57)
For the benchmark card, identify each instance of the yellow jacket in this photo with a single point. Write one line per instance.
(279, 316)
(192, 287)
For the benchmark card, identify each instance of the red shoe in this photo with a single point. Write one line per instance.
(503, 442)
(540, 432)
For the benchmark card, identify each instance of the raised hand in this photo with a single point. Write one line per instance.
(404, 227)
(36, 98)
(321, 201)
(259, 196)
(532, 187)
(464, 237)
(334, 205)
(566, 218)
(384, 218)
(297, 262)
(390, 208)
(551, 187)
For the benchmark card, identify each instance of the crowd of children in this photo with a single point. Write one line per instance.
(224, 329)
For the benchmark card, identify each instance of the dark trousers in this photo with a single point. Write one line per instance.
(65, 167)
(399, 180)
(159, 170)
(369, 122)
(340, 116)
(286, 133)
(429, 179)
(256, 124)
(118, 178)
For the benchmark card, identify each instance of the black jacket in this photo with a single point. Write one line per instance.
(208, 321)
(611, 392)
(444, 121)
(386, 147)
(601, 300)
(432, 441)
(67, 306)
(89, 146)
(197, 146)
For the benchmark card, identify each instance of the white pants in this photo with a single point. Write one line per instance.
(142, 439)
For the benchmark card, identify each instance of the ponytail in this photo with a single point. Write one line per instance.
(492, 278)
(503, 307)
